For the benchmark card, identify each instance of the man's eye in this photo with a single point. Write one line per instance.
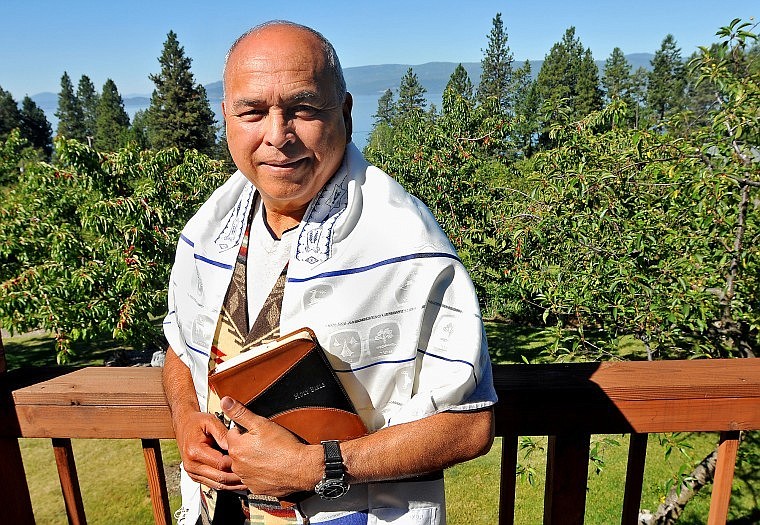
(304, 111)
(252, 115)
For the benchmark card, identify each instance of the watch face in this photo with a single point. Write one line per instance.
(331, 488)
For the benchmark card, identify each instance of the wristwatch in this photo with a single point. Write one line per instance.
(333, 484)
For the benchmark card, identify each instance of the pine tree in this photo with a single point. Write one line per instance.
(588, 93)
(138, 131)
(638, 93)
(458, 86)
(35, 127)
(386, 109)
(667, 80)
(617, 76)
(179, 113)
(496, 73)
(88, 100)
(411, 95)
(526, 103)
(10, 117)
(111, 122)
(569, 79)
(69, 113)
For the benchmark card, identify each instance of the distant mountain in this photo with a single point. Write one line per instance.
(374, 80)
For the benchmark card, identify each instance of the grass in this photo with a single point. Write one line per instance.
(115, 490)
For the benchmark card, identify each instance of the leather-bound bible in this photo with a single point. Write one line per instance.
(290, 381)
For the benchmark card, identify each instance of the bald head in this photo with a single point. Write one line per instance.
(309, 36)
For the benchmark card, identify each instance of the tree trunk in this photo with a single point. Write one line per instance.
(675, 503)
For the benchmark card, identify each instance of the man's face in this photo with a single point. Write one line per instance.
(286, 129)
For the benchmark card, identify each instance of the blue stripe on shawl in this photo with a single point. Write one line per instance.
(452, 361)
(198, 350)
(355, 518)
(360, 269)
(378, 363)
(188, 241)
(213, 262)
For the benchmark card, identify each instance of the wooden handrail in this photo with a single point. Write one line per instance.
(567, 402)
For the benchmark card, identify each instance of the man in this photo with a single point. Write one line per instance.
(338, 246)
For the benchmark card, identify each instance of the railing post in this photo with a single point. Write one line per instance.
(67, 472)
(634, 478)
(508, 482)
(566, 479)
(154, 467)
(15, 503)
(724, 477)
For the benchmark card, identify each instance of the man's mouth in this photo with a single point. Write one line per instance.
(286, 164)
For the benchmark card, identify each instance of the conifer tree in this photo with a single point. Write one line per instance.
(617, 76)
(111, 122)
(526, 104)
(411, 95)
(179, 113)
(638, 94)
(459, 85)
(588, 92)
(69, 113)
(667, 80)
(569, 79)
(35, 127)
(138, 131)
(10, 118)
(88, 99)
(496, 73)
(386, 109)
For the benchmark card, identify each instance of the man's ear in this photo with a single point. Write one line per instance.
(348, 104)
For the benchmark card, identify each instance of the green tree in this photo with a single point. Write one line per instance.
(568, 83)
(88, 100)
(35, 127)
(112, 122)
(667, 81)
(70, 114)
(10, 117)
(179, 114)
(616, 78)
(638, 94)
(138, 131)
(86, 243)
(589, 94)
(496, 72)
(459, 85)
(527, 107)
(411, 95)
(386, 108)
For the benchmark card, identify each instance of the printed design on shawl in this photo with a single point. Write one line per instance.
(233, 231)
(315, 240)
(316, 294)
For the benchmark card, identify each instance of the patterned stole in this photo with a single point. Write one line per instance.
(231, 338)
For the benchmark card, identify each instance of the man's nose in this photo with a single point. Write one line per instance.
(280, 130)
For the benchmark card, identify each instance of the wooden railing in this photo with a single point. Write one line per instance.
(567, 402)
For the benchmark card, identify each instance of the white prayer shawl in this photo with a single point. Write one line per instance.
(375, 277)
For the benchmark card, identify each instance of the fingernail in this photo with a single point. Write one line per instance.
(227, 403)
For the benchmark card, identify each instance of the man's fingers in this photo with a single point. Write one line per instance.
(238, 413)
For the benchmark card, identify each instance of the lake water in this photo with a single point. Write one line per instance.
(364, 107)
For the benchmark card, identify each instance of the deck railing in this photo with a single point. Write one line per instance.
(567, 402)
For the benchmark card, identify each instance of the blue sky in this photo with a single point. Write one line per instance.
(39, 40)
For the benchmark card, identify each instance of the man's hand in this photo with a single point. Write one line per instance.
(201, 437)
(268, 458)
(202, 440)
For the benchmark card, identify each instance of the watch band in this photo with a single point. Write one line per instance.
(334, 467)
(333, 484)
